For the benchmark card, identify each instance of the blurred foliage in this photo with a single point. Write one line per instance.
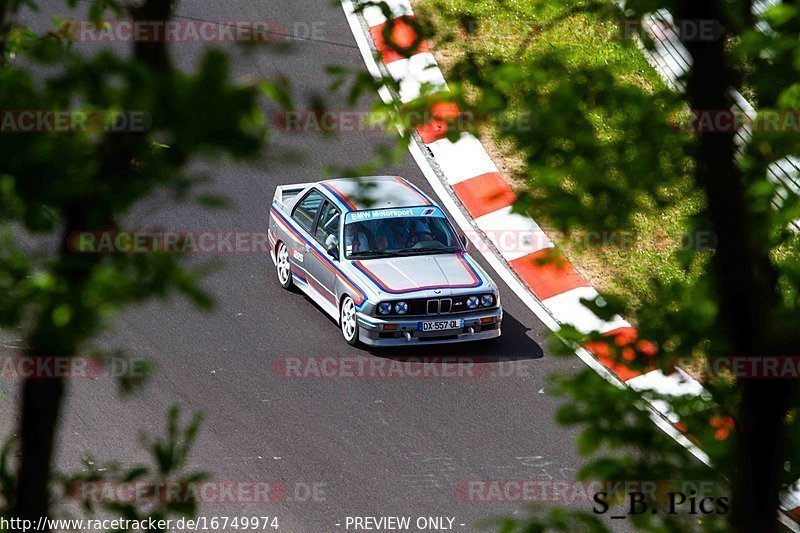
(54, 183)
(89, 179)
(152, 482)
(605, 149)
(85, 494)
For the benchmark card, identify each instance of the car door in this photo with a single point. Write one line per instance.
(326, 232)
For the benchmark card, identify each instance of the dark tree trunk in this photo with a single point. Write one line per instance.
(746, 283)
(153, 54)
(42, 398)
(41, 403)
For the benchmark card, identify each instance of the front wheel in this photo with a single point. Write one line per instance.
(283, 267)
(349, 321)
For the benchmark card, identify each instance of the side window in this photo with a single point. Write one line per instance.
(306, 211)
(328, 224)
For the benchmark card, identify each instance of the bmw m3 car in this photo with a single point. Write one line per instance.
(383, 260)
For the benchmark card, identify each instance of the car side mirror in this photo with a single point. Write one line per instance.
(333, 250)
(464, 241)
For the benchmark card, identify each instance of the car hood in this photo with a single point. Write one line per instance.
(422, 276)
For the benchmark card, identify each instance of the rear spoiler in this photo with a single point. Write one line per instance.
(286, 194)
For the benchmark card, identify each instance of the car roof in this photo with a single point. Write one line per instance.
(375, 192)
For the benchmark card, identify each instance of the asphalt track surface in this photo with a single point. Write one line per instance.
(372, 447)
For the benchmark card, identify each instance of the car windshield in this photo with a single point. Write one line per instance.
(396, 232)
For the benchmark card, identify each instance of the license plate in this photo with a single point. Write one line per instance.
(440, 325)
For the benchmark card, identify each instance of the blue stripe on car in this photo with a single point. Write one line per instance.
(321, 255)
(339, 199)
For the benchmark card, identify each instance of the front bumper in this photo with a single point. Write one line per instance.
(373, 332)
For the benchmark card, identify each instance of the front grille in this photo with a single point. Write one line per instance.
(435, 306)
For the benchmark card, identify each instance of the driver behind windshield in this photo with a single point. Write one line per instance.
(399, 233)
(355, 240)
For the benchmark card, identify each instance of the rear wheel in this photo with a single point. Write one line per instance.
(349, 321)
(283, 267)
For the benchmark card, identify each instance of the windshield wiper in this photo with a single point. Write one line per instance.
(375, 253)
(428, 250)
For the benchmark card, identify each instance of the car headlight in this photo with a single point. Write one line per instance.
(472, 302)
(384, 308)
(487, 300)
(401, 308)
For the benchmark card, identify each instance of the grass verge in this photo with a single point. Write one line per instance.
(583, 35)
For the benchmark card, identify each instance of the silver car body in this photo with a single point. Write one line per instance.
(436, 286)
